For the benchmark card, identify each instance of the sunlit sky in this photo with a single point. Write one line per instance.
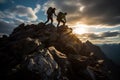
(94, 20)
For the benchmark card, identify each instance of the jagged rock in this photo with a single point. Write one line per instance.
(43, 63)
(24, 46)
(28, 55)
(66, 39)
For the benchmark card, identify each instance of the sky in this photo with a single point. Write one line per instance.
(95, 20)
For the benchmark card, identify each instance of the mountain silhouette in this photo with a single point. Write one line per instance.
(46, 52)
(112, 51)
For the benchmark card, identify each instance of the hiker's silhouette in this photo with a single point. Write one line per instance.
(61, 17)
(50, 13)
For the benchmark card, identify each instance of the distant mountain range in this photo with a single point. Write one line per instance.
(108, 62)
(112, 51)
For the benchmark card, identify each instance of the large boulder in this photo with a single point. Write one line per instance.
(43, 63)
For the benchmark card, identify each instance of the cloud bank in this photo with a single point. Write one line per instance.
(101, 35)
(21, 11)
(27, 12)
(14, 16)
(90, 12)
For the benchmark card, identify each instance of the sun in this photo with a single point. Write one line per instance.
(80, 29)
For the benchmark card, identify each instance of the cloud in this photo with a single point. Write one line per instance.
(110, 34)
(6, 27)
(6, 14)
(36, 10)
(99, 36)
(11, 18)
(2, 14)
(2, 1)
(27, 12)
(17, 21)
(92, 36)
(90, 12)
(20, 14)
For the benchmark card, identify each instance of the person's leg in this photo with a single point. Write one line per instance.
(47, 19)
(58, 24)
(51, 20)
(63, 22)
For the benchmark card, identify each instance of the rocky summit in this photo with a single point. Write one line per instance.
(46, 52)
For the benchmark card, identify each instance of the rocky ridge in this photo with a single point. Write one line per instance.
(44, 52)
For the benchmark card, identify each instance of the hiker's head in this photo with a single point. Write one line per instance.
(65, 13)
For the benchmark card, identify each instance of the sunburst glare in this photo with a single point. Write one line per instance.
(80, 29)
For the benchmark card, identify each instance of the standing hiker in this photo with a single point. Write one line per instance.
(50, 13)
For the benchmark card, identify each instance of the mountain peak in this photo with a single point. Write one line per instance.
(88, 42)
(26, 54)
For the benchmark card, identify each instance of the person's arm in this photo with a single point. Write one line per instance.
(55, 13)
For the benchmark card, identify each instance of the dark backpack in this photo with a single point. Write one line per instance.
(49, 10)
(60, 14)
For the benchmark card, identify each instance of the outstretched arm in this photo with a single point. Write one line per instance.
(55, 14)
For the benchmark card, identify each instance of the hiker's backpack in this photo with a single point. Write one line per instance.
(49, 10)
(60, 15)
